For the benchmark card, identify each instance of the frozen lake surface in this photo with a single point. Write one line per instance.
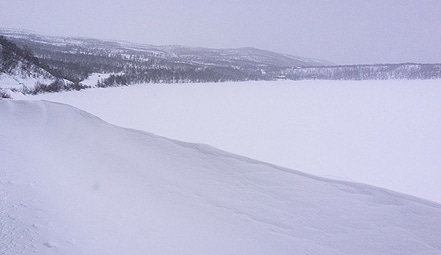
(384, 133)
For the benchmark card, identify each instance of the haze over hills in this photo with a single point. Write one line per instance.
(75, 59)
(76, 63)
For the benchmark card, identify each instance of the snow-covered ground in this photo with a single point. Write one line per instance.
(384, 133)
(94, 78)
(73, 184)
(19, 82)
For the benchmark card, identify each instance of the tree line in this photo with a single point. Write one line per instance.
(76, 63)
(366, 72)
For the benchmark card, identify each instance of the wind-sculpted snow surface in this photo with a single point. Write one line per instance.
(71, 183)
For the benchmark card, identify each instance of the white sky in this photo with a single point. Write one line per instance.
(341, 31)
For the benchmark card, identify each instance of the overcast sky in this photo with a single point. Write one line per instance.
(340, 31)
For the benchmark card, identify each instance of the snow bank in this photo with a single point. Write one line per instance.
(74, 184)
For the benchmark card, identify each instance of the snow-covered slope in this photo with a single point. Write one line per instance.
(207, 56)
(21, 70)
(22, 81)
(77, 59)
(72, 184)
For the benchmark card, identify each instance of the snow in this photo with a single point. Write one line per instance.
(94, 78)
(383, 133)
(71, 183)
(19, 82)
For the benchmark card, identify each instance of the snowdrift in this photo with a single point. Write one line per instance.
(71, 183)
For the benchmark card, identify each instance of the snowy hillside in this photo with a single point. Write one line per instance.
(76, 59)
(73, 184)
(20, 70)
(66, 63)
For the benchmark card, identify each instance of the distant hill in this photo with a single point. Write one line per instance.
(33, 63)
(410, 71)
(75, 59)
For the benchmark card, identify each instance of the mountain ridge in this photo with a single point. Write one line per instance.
(79, 62)
(150, 63)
